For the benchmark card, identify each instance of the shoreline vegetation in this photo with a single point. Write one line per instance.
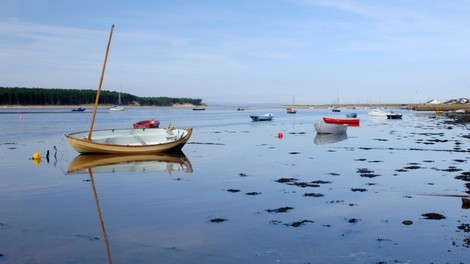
(439, 107)
(20, 96)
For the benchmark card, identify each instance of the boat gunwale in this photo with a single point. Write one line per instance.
(99, 147)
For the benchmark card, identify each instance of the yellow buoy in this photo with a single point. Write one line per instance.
(37, 156)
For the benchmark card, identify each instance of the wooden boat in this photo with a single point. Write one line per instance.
(126, 163)
(266, 117)
(130, 141)
(127, 141)
(147, 124)
(349, 121)
(79, 109)
(330, 128)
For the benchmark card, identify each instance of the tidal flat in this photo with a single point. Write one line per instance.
(390, 191)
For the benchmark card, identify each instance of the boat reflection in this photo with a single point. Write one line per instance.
(111, 163)
(321, 139)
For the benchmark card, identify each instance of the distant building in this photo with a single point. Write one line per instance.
(433, 102)
(458, 101)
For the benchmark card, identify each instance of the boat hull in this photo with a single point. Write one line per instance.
(291, 110)
(377, 113)
(349, 121)
(330, 128)
(130, 141)
(267, 117)
(394, 116)
(147, 124)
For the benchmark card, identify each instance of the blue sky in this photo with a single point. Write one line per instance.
(243, 51)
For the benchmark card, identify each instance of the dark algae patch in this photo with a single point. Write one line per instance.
(295, 182)
(363, 172)
(286, 180)
(280, 210)
(313, 195)
(299, 223)
(217, 220)
(358, 189)
(353, 220)
(433, 216)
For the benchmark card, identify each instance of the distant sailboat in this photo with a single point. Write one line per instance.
(291, 110)
(118, 107)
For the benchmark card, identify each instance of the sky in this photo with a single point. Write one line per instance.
(242, 51)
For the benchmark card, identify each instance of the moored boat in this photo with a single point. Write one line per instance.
(330, 128)
(117, 107)
(266, 117)
(349, 121)
(79, 109)
(130, 141)
(378, 113)
(393, 115)
(126, 141)
(291, 110)
(351, 115)
(152, 123)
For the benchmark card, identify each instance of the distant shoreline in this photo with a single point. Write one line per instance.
(437, 107)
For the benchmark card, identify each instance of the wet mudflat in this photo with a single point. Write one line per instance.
(386, 193)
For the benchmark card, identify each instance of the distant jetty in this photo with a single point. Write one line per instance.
(441, 107)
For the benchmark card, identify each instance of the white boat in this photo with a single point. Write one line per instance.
(330, 128)
(130, 141)
(378, 113)
(117, 107)
(266, 117)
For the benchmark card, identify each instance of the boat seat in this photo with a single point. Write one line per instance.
(141, 141)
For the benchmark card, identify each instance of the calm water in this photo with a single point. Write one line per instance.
(241, 194)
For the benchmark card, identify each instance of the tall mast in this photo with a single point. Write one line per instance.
(101, 82)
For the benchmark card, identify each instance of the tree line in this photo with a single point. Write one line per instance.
(42, 96)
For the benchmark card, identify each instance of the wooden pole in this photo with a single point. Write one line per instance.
(99, 86)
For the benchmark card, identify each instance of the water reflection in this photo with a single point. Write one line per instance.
(100, 216)
(112, 163)
(126, 163)
(321, 139)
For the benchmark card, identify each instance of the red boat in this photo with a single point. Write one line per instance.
(348, 121)
(147, 124)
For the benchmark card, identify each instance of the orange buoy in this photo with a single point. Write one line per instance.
(280, 135)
